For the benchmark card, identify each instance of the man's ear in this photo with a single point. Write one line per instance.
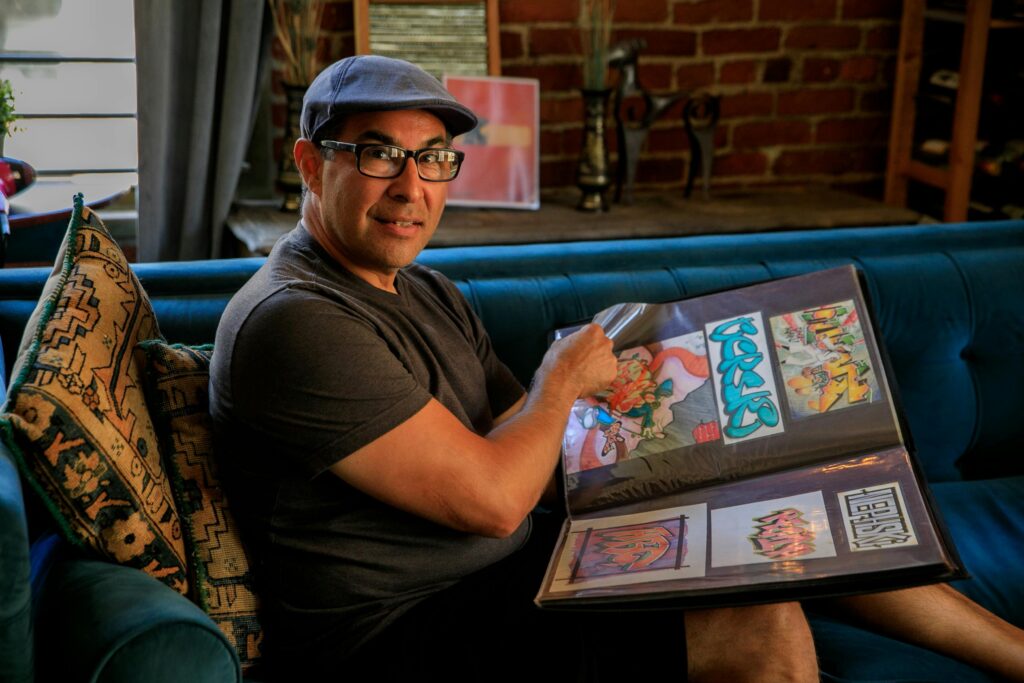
(309, 162)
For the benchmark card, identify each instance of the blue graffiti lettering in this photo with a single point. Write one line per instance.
(740, 359)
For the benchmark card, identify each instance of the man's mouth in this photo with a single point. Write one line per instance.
(397, 222)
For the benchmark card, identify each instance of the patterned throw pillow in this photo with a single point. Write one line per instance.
(177, 390)
(76, 419)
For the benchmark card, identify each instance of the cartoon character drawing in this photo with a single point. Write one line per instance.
(635, 393)
(635, 415)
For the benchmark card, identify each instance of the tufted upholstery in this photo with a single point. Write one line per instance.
(948, 304)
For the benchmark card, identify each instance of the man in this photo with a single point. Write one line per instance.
(384, 461)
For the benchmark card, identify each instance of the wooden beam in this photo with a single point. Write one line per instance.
(908, 73)
(968, 106)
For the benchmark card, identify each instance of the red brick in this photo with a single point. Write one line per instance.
(511, 45)
(553, 41)
(551, 142)
(668, 42)
(346, 46)
(748, 104)
(871, 9)
(337, 17)
(800, 10)
(830, 161)
(767, 133)
(562, 110)
(739, 163)
(660, 170)
(641, 10)
(690, 76)
(876, 100)
(882, 38)
(825, 37)
(738, 72)
(561, 142)
(278, 114)
(656, 76)
(868, 130)
(558, 173)
(529, 11)
(820, 70)
(738, 41)
(667, 140)
(675, 139)
(552, 77)
(816, 101)
(859, 70)
(777, 70)
(712, 11)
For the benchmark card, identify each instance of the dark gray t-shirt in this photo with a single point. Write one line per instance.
(310, 364)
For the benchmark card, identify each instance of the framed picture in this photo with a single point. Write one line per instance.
(441, 36)
(502, 167)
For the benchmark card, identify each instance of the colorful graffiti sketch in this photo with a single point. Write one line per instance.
(876, 517)
(745, 383)
(629, 549)
(790, 528)
(659, 401)
(782, 535)
(642, 547)
(824, 359)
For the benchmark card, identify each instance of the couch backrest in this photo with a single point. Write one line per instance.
(948, 301)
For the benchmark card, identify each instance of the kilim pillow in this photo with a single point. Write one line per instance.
(76, 419)
(177, 389)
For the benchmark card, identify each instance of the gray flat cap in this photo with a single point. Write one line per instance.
(374, 83)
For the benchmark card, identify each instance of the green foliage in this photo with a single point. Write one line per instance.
(7, 115)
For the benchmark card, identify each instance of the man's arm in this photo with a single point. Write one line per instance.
(433, 466)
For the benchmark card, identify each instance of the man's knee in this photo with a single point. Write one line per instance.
(759, 643)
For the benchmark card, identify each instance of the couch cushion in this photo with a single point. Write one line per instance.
(177, 390)
(75, 417)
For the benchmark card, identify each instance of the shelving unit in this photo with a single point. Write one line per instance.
(955, 177)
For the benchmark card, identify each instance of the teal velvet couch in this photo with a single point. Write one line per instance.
(949, 301)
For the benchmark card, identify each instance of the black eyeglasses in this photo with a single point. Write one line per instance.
(437, 165)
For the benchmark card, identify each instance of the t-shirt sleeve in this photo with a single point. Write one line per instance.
(503, 389)
(336, 385)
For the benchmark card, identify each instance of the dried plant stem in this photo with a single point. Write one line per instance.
(596, 32)
(297, 27)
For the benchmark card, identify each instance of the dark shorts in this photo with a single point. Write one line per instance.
(487, 628)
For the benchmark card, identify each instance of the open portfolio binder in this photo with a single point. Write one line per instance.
(749, 449)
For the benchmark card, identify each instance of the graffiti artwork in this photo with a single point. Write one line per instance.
(824, 359)
(782, 535)
(659, 400)
(744, 381)
(790, 528)
(637, 548)
(876, 517)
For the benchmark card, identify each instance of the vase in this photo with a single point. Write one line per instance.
(592, 176)
(289, 180)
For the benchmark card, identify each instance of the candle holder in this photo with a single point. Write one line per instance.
(592, 176)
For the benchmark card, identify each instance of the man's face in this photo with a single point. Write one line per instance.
(375, 226)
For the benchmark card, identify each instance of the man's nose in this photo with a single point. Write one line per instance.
(407, 186)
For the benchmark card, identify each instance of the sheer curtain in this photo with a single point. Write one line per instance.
(199, 63)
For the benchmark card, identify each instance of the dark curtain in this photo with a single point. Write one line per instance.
(199, 63)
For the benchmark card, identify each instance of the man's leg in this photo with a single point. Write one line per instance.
(942, 619)
(762, 643)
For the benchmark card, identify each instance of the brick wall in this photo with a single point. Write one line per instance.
(806, 85)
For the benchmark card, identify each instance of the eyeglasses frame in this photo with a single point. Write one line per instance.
(357, 149)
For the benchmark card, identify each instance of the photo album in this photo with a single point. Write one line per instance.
(748, 450)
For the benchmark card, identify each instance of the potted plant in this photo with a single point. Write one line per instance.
(7, 115)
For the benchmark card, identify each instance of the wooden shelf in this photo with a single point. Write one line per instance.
(956, 179)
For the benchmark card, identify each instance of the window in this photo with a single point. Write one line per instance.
(72, 67)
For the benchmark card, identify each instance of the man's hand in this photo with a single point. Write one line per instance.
(582, 362)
